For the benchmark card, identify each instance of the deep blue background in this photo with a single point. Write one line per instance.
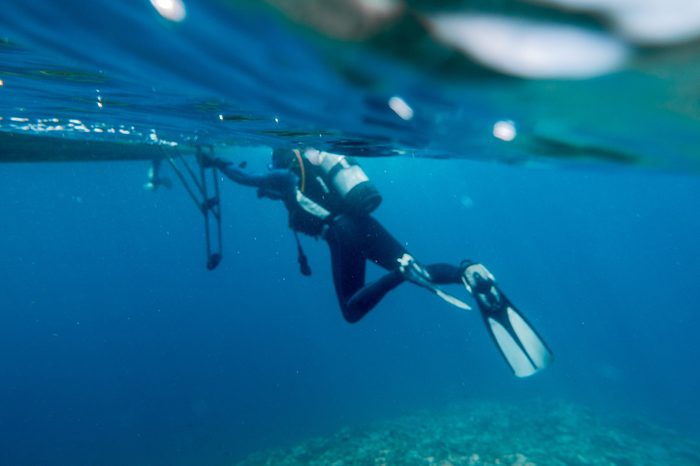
(118, 347)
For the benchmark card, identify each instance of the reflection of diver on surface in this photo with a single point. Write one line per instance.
(329, 196)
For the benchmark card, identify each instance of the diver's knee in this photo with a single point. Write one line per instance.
(352, 317)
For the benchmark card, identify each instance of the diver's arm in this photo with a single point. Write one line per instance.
(275, 184)
(240, 176)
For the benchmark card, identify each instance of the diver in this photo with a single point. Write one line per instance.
(329, 196)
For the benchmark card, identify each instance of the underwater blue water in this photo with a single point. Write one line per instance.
(119, 347)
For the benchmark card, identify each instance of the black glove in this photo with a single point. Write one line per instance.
(222, 164)
(214, 162)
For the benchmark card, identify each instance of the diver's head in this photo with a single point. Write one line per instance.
(282, 157)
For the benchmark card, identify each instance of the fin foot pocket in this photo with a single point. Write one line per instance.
(482, 285)
(412, 271)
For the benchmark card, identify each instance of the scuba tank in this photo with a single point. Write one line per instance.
(347, 179)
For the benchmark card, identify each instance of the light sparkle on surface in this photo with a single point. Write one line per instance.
(504, 130)
(401, 108)
(172, 10)
(73, 125)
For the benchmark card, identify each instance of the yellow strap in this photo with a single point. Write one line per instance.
(302, 184)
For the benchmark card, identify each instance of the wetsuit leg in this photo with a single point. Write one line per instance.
(348, 265)
(379, 245)
(352, 241)
(384, 250)
(445, 274)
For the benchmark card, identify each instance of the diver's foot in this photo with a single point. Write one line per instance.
(482, 285)
(412, 271)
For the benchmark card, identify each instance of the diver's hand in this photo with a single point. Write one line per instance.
(214, 162)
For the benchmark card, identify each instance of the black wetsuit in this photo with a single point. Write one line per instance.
(353, 240)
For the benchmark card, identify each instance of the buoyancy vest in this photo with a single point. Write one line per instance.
(329, 185)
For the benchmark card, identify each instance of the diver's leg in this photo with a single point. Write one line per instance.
(345, 239)
(383, 249)
(348, 268)
(445, 274)
(367, 297)
(351, 240)
(379, 245)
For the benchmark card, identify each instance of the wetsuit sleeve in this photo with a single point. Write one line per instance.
(276, 184)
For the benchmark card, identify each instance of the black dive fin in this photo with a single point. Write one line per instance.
(519, 343)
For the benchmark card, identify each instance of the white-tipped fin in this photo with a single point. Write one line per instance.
(452, 300)
(525, 352)
(518, 360)
(535, 347)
